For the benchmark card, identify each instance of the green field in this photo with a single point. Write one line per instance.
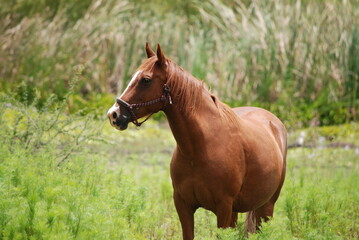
(65, 173)
(68, 177)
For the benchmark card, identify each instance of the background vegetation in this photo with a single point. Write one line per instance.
(66, 174)
(296, 58)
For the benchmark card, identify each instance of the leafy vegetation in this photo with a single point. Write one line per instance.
(298, 59)
(72, 177)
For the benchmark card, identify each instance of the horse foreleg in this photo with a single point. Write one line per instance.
(234, 219)
(224, 215)
(186, 217)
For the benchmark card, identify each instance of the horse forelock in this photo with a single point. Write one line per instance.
(148, 65)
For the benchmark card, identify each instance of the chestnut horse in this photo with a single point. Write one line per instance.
(226, 160)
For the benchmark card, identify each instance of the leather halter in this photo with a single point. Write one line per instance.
(134, 106)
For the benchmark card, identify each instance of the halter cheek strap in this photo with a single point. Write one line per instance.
(131, 107)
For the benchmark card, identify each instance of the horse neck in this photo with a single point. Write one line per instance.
(193, 127)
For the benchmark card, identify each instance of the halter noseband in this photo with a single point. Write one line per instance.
(131, 107)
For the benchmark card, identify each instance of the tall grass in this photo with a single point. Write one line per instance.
(296, 58)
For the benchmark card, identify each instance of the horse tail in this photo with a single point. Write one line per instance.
(251, 222)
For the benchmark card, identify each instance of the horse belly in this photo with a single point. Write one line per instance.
(250, 200)
(259, 186)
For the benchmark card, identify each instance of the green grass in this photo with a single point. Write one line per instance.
(116, 185)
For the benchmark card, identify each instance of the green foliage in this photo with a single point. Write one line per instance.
(51, 187)
(64, 177)
(332, 136)
(19, 9)
(297, 58)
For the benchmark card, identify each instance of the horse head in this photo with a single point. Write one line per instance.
(146, 93)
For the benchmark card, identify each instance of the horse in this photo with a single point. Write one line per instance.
(228, 161)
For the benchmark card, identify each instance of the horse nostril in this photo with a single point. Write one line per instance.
(114, 123)
(114, 115)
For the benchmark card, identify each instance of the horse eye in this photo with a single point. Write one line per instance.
(145, 81)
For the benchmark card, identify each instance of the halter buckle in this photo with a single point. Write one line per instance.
(167, 90)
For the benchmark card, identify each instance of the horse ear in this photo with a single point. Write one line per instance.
(161, 57)
(149, 51)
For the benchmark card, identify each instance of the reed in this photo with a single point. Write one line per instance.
(296, 58)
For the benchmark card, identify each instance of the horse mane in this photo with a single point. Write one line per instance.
(187, 90)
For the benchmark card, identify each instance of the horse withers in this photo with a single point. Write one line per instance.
(226, 160)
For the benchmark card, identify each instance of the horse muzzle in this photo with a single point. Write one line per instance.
(119, 120)
(122, 122)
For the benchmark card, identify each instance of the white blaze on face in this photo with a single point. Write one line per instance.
(131, 82)
(115, 107)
